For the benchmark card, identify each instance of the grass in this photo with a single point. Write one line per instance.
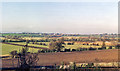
(17, 34)
(21, 43)
(6, 49)
(30, 44)
(80, 46)
(75, 46)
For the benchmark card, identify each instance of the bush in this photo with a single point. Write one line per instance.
(44, 44)
(40, 43)
(99, 48)
(73, 49)
(63, 46)
(90, 65)
(32, 42)
(87, 44)
(110, 47)
(69, 44)
(97, 45)
(43, 51)
(92, 48)
(84, 44)
(64, 43)
(13, 53)
(103, 47)
(39, 51)
(118, 46)
(83, 49)
(67, 50)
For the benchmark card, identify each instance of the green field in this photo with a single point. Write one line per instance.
(16, 34)
(30, 44)
(6, 49)
(75, 46)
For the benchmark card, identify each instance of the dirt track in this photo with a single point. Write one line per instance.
(79, 57)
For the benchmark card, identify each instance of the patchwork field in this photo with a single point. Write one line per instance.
(67, 49)
(7, 48)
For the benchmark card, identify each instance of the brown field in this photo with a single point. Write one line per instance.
(78, 57)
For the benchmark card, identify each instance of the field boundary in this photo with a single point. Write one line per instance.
(24, 45)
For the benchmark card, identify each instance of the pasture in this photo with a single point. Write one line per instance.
(36, 42)
(30, 44)
(6, 49)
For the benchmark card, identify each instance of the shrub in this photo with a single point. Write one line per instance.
(40, 43)
(84, 49)
(44, 44)
(99, 48)
(103, 47)
(97, 44)
(73, 49)
(43, 51)
(39, 51)
(67, 50)
(13, 53)
(90, 64)
(118, 46)
(68, 43)
(92, 48)
(110, 47)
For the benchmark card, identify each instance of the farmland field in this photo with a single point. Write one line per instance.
(75, 46)
(78, 57)
(55, 50)
(16, 34)
(82, 46)
(30, 44)
(6, 49)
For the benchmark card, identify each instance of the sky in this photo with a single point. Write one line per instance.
(62, 17)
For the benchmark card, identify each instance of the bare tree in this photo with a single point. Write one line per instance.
(26, 60)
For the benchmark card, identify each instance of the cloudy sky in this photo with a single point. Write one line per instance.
(63, 17)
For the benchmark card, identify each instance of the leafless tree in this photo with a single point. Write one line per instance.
(26, 60)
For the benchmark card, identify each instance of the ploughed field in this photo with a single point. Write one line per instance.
(110, 55)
